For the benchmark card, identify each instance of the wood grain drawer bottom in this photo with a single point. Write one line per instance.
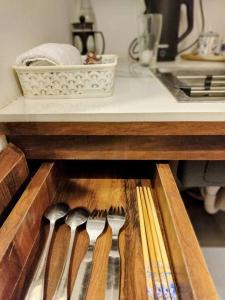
(100, 185)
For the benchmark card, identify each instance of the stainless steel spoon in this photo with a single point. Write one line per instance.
(36, 289)
(75, 218)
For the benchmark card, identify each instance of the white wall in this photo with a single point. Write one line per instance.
(118, 21)
(25, 24)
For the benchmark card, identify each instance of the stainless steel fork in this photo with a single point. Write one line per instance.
(95, 226)
(116, 220)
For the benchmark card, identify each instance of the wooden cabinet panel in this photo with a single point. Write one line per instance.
(13, 173)
(124, 147)
(21, 230)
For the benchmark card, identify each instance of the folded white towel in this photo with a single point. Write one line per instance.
(50, 54)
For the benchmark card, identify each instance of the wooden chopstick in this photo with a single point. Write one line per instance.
(165, 286)
(149, 283)
(151, 249)
(165, 259)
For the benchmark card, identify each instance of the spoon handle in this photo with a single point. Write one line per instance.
(113, 276)
(61, 292)
(36, 288)
(80, 287)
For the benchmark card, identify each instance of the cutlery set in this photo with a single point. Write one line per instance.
(95, 222)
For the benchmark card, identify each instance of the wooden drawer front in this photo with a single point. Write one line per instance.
(189, 266)
(121, 147)
(13, 172)
(98, 186)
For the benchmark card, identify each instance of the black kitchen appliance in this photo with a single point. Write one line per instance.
(170, 9)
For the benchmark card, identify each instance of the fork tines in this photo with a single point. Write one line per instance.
(113, 210)
(119, 210)
(99, 213)
(104, 213)
(94, 213)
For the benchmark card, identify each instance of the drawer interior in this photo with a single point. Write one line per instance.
(97, 184)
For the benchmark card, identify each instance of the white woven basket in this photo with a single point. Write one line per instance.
(80, 81)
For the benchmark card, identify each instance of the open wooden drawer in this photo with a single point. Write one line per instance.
(100, 185)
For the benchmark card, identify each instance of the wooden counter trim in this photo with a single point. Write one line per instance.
(189, 265)
(13, 173)
(24, 221)
(112, 128)
(122, 147)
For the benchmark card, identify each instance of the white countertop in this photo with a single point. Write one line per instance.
(135, 99)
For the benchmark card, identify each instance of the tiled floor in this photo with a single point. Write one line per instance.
(210, 231)
(215, 258)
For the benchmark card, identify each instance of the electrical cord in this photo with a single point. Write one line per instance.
(133, 52)
(202, 29)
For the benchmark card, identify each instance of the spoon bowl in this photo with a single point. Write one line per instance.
(56, 212)
(77, 217)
